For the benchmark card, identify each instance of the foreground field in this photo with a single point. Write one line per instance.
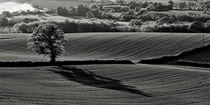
(108, 84)
(105, 85)
(91, 46)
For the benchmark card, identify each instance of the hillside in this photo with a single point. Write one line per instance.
(105, 85)
(91, 46)
(15, 7)
(52, 3)
(201, 57)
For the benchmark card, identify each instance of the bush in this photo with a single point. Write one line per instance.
(22, 28)
(166, 20)
(126, 18)
(3, 21)
(90, 14)
(197, 26)
(135, 22)
(6, 14)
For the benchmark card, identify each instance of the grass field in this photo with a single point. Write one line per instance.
(91, 46)
(105, 85)
(108, 84)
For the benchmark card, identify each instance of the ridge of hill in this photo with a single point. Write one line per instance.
(108, 46)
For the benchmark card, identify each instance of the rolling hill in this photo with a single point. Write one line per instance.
(91, 46)
(65, 3)
(105, 85)
(52, 3)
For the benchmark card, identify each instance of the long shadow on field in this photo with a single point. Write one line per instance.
(91, 79)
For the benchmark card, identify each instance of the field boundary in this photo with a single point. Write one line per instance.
(59, 63)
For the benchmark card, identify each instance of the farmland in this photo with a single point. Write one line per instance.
(119, 84)
(108, 84)
(91, 46)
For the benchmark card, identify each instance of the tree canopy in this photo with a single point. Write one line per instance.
(47, 40)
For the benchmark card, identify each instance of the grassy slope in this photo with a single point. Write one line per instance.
(168, 85)
(86, 46)
(203, 56)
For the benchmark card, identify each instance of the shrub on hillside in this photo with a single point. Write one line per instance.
(197, 26)
(90, 14)
(62, 11)
(3, 21)
(141, 12)
(6, 14)
(135, 22)
(22, 28)
(82, 10)
(166, 20)
(127, 18)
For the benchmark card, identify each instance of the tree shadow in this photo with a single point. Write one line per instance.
(91, 79)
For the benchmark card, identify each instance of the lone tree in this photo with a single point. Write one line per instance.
(47, 40)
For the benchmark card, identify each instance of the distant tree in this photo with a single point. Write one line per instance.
(150, 7)
(62, 11)
(126, 17)
(137, 9)
(90, 14)
(207, 6)
(21, 27)
(166, 20)
(145, 4)
(197, 26)
(159, 6)
(93, 6)
(131, 6)
(191, 5)
(121, 2)
(182, 5)
(135, 22)
(82, 10)
(72, 11)
(124, 9)
(35, 5)
(3, 21)
(6, 14)
(47, 40)
(171, 4)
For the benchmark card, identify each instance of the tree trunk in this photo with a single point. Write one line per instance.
(52, 58)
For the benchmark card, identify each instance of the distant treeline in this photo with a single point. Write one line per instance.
(161, 22)
(69, 26)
